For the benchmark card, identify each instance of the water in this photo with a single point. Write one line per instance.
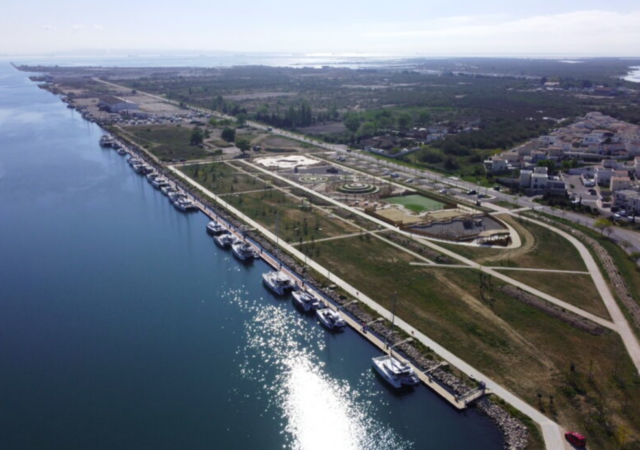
(122, 325)
(352, 61)
(634, 74)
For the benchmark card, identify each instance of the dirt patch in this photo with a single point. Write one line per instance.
(554, 311)
(529, 243)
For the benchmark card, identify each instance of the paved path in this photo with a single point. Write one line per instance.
(621, 325)
(334, 238)
(453, 255)
(551, 431)
(515, 237)
(618, 234)
(528, 269)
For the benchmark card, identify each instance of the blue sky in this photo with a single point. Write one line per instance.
(488, 27)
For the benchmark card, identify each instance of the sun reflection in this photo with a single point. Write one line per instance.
(318, 411)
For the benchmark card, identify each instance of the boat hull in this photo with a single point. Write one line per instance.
(378, 366)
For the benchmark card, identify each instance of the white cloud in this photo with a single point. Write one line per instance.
(596, 32)
(98, 27)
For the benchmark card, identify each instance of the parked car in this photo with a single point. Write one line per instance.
(496, 188)
(576, 439)
(472, 192)
(442, 191)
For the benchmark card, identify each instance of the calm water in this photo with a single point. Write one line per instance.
(122, 325)
(633, 75)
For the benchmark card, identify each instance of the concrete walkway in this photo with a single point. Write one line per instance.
(528, 269)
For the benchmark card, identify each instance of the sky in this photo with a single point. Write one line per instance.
(403, 27)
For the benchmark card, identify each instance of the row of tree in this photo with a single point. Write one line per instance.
(296, 116)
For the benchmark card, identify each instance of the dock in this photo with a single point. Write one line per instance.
(459, 402)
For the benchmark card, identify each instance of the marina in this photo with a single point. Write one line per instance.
(149, 295)
(283, 281)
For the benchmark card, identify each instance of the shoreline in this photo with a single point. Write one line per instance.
(633, 76)
(515, 433)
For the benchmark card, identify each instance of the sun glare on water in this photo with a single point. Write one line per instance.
(318, 410)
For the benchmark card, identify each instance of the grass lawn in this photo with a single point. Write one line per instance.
(295, 223)
(578, 290)
(221, 178)
(506, 204)
(541, 249)
(416, 203)
(167, 142)
(587, 382)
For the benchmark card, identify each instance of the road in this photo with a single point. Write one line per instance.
(617, 234)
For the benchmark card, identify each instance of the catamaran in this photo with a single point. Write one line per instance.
(306, 301)
(159, 181)
(278, 282)
(214, 228)
(224, 240)
(243, 251)
(395, 372)
(391, 369)
(330, 318)
(168, 189)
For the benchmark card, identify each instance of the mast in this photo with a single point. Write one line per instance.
(394, 300)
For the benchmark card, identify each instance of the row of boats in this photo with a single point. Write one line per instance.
(178, 198)
(395, 372)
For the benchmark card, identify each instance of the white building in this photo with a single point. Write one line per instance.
(619, 183)
(116, 104)
(629, 200)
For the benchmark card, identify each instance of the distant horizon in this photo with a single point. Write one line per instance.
(133, 52)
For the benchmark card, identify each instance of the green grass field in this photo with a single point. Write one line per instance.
(167, 142)
(586, 382)
(416, 203)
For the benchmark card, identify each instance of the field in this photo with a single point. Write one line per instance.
(541, 249)
(168, 143)
(416, 203)
(295, 222)
(221, 178)
(560, 369)
(575, 289)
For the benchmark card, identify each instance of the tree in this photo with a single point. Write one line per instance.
(228, 134)
(241, 119)
(243, 144)
(352, 122)
(367, 129)
(551, 165)
(424, 117)
(197, 136)
(404, 120)
(602, 224)
(451, 164)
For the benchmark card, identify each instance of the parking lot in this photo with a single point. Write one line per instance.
(577, 189)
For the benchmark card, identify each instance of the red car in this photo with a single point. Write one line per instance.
(576, 439)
